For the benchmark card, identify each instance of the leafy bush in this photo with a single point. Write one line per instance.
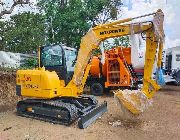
(29, 63)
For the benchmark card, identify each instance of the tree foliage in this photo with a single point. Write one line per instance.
(29, 63)
(122, 41)
(69, 20)
(60, 21)
(116, 42)
(23, 33)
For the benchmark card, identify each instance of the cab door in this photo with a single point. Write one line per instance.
(53, 59)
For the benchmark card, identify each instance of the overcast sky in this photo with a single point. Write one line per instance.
(18, 9)
(171, 8)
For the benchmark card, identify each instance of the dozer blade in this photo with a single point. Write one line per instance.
(134, 101)
(88, 118)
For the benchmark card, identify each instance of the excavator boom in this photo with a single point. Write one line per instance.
(135, 102)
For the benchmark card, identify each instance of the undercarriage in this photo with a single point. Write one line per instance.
(63, 110)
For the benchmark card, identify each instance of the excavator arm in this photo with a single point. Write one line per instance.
(154, 43)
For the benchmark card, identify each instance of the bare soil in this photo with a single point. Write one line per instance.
(159, 122)
(8, 97)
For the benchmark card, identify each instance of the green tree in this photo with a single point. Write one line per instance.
(116, 42)
(122, 41)
(2, 32)
(23, 33)
(69, 20)
(29, 63)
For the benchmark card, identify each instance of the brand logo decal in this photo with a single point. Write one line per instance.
(112, 31)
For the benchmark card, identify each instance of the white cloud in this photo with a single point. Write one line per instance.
(19, 9)
(169, 43)
(171, 10)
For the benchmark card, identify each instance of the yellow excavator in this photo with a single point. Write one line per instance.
(56, 94)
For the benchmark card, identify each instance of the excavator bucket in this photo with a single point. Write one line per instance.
(132, 102)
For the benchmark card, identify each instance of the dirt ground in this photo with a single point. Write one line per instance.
(159, 122)
(8, 97)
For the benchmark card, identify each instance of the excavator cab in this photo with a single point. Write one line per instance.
(58, 58)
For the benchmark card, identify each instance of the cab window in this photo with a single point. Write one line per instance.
(70, 58)
(51, 56)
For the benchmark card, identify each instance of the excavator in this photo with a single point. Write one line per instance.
(54, 98)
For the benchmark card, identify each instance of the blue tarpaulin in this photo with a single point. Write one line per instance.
(159, 77)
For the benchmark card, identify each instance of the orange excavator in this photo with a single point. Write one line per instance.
(117, 71)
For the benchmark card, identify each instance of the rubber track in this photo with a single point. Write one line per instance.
(70, 108)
